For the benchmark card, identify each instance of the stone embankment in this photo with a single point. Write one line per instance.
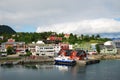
(25, 60)
(36, 59)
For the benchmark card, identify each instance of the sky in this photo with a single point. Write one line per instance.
(67, 16)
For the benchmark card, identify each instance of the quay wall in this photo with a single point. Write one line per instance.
(104, 57)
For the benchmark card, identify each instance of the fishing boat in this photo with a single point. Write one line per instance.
(64, 60)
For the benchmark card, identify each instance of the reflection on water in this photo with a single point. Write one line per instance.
(105, 70)
(74, 70)
(38, 66)
(62, 68)
(7, 66)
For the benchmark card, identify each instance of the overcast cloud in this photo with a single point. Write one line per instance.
(70, 16)
(84, 26)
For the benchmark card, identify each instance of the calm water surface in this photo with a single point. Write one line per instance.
(105, 70)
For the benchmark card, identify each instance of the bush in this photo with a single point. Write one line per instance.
(28, 53)
(10, 50)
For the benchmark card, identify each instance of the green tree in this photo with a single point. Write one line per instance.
(72, 39)
(10, 50)
(86, 38)
(92, 37)
(98, 48)
(97, 36)
(28, 53)
(82, 36)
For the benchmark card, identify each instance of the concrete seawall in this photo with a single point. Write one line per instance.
(27, 60)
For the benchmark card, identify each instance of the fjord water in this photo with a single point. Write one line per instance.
(105, 70)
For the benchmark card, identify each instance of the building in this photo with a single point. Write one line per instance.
(92, 50)
(67, 35)
(31, 48)
(47, 49)
(53, 39)
(1, 37)
(44, 49)
(64, 46)
(18, 46)
(117, 44)
(74, 54)
(108, 48)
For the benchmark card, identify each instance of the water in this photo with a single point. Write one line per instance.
(105, 70)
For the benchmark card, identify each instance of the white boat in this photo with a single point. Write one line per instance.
(64, 60)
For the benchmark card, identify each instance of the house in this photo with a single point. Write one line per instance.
(67, 35)
(108, 48)
(92, 50)
(64, 46)
(18, 46)
(74, 54)
(79, 54)
(53, 39)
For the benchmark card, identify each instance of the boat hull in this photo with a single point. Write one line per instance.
(64, 62)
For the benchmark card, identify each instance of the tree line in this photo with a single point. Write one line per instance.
(29, 37)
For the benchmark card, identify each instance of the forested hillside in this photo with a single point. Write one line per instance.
(34, 37)
(6, 29)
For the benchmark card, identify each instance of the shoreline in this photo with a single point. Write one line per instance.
(44, 59)
(25, 60)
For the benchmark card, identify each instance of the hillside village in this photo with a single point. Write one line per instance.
(51, 44)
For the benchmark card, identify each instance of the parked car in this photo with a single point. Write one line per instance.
(92, 53)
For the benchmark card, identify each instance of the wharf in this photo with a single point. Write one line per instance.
(87, 62)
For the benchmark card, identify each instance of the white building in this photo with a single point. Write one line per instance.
(109, 48)
(44, 49)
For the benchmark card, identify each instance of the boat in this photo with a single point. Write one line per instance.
(64, 60)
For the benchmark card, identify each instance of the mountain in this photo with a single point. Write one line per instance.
(110, 35)
(6, 29)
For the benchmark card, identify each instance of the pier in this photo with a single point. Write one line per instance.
(87, 62)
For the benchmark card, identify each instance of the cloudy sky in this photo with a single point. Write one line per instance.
(68, 16)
